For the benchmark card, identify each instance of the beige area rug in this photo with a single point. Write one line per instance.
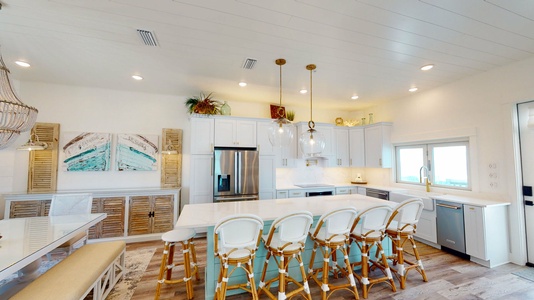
(135, 261)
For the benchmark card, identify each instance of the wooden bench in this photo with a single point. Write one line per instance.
(94, 267)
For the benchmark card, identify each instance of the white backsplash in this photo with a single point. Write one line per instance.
(318, 174)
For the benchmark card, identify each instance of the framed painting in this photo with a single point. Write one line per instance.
(87, 151)
(136, 152)
(277, 110)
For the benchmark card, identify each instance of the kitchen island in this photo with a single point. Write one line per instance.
(207, 214)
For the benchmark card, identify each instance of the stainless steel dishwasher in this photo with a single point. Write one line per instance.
(450, 219)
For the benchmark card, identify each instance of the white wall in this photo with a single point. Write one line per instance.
(481, 108)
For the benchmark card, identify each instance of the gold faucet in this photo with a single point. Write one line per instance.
(428, 184)
(427, 177)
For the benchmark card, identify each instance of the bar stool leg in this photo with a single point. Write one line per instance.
(419, 262)
(194, 256)
(162, 269)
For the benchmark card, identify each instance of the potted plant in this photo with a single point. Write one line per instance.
(203, 104)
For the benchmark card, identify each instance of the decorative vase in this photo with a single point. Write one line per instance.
(225, 109)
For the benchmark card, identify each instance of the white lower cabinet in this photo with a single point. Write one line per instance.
(346, 190)
(426, 227)
(362, 190)
(282, 194)
(201, 187)
(486, 234)
(297, 193)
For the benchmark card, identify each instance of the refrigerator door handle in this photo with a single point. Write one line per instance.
(236, 173)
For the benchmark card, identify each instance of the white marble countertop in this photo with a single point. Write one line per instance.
(470, 200)
(207, 214)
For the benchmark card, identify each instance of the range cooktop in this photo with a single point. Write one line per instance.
(308, 185)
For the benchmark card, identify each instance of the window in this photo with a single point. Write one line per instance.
(447, 164)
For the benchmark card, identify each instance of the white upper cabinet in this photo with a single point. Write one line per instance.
(378, 149)
(235, 133)
(357, 147)
(342, 147)
(202, 135)
(264, 145)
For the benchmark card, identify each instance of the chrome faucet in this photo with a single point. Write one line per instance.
(427, 180)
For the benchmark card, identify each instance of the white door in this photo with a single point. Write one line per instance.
(526, 136)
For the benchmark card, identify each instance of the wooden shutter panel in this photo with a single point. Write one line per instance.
(42, 170)
(171, 164)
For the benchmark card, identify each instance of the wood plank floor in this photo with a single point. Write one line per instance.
(450, 277)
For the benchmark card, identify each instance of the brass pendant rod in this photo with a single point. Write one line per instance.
(311, 67)
(280, 62)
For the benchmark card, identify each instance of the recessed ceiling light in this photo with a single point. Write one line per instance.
(137, 77)
(303, 91)
(354, 97)
(427, 67)
(22, 63)
(414, 89)
(242, 84)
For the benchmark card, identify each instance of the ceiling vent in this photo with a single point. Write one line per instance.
(249, 63)
(147, 37)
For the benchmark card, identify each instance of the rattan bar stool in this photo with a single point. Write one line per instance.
(185, 238)
(286, 240)
(236, 239)
(401, 228)
(368, 231)
(331, 235)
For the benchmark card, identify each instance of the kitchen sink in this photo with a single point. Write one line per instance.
(408, 194)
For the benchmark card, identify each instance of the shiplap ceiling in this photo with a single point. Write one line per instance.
(372, 48)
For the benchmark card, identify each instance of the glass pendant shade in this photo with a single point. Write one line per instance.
(312, 143)
(281, 130)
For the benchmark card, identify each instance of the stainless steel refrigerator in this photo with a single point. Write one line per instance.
(236, 175)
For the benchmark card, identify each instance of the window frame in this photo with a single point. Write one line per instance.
(428, 160)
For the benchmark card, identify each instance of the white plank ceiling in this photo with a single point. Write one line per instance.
(369, 48)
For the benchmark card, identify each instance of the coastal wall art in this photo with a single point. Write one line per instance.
(136, 152)
(88, 151)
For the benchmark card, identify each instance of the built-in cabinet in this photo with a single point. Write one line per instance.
(486, 234)
(356, 147)
(235, 133)
(378, 148)
(267, 177)
(202, 132)
(427, 226)
(201, 179)
(341, 137)
(135, 215)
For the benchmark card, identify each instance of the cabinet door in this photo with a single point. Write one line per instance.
(342, 191)
(264, 145)
(245, 135)
(201, 181)
(330, 146)
(287, 154)
(378, 146)
(113, 224)
(202, 135)
(26, 209)
(362, 191)
(163, 208)
(475, 237)
(140, 220)
(426, 227)
(267, 177)
(225, 133)
(356, 147)
(342, 147)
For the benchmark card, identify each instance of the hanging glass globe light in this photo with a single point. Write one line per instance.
(311, 142)
(280, 131)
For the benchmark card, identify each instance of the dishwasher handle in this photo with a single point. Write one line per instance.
(448, 206)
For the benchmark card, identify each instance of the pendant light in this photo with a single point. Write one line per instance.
(311, 142)
(33, 143)
(280, 132)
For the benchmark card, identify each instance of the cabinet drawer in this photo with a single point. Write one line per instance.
(342, 191)
(296, 194)
(281, 194)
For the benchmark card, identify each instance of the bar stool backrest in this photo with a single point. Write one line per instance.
(407, 214)
(292, 228)
(337, 221)
(238, 231)
(71, 204)
(372, 222)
